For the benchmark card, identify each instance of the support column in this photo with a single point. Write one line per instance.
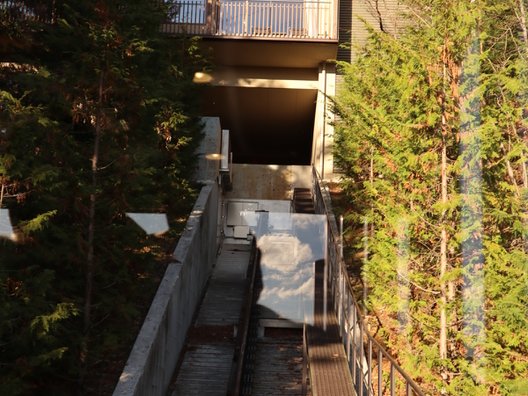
(323, 134)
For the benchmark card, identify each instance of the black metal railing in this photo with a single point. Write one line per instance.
(374, 371)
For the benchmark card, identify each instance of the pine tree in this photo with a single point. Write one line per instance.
(431, 140)
(98, 120)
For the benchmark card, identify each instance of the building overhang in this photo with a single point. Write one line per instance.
(255, 52)
(259, 77)
(265, 92)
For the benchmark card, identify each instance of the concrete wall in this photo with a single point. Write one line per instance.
(262, 77)
(209, 150)
(323, 132)
(155, 353)
(268, 181)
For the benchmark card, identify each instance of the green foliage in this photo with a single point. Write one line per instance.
(101, 69)
(452, 78)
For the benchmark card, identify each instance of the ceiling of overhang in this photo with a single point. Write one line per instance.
(267, 125)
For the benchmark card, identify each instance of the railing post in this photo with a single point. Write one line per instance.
(354, 348)
(369, 365)
(263, 18)
(209, 9)
(380, 372)
(392, 387)
(347, 333)
(246, 15)
(361, 351)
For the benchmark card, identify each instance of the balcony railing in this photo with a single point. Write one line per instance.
(40, 11)
(282, 19)
(314, 20)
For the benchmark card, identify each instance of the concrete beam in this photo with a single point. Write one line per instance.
(265, 78)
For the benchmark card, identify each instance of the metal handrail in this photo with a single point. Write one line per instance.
(235, 379)
(284, 19)
(279, 19)
(275, 18)
(21, 10)
(371, 376)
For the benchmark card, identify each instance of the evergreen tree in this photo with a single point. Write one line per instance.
(97, 120)
(432, 142)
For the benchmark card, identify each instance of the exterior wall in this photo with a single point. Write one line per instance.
(345, 30)
(274, 182)
(265, 77)
(353, 14)
(381, 14)
(155, 353)
(208, 163)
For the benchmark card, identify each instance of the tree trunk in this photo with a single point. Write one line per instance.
(522, 22)
(91, 216)
(443, 199)
(368, 229)
(443, 254)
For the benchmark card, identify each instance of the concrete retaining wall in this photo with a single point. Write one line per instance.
(155, 353)
(275, 182)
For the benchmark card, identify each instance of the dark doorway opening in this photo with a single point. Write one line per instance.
(267, 125)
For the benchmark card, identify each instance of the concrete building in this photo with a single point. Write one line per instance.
(275, 68)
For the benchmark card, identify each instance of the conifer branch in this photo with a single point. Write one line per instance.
(436, 292)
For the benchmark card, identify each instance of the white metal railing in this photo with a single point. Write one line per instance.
(276, 19)
(194, 17)
(41, 11)
(253, 18)
(190, 11)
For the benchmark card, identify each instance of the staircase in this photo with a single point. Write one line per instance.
(303, 200)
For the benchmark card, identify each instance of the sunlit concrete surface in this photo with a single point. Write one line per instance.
(151, 223)
(6, 228)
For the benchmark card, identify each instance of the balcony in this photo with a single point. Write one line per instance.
(270, 19)
(38, 11)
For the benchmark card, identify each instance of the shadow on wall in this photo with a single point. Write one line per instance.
(268, 181)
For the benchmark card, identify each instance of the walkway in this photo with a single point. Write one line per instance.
(275, 359)
(206, 365)
(329, 371)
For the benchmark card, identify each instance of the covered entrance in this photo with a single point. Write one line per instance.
(267, 125)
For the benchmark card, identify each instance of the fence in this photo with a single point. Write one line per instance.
(192, 17)
(290, 19)
(155, 353)
(255, 18)
(373, 370)
(41, 11)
